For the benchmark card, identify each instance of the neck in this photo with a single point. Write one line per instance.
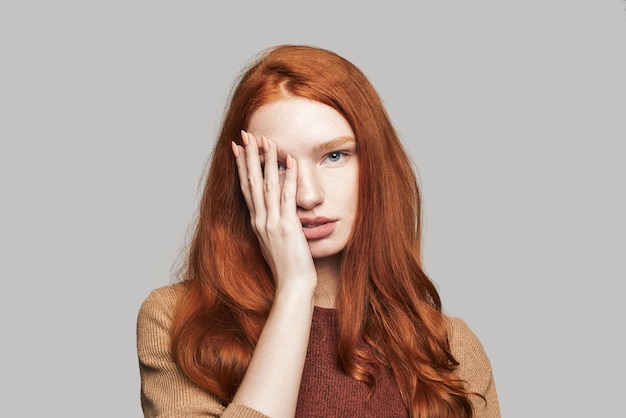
(328, 272)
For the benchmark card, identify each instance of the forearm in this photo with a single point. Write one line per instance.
(272, 381)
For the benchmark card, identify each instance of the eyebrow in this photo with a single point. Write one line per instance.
(334, 143)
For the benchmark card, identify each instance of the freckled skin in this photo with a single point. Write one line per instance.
(323, 144)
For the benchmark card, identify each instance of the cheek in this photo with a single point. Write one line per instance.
(343, 188)
(349, 192)
(353, 188)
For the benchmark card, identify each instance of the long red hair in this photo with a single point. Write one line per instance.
(384, 296)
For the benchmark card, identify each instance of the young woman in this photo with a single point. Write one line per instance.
(303, 292)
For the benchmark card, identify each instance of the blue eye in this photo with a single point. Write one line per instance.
(334, 157)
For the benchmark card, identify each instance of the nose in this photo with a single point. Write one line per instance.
(310, 192)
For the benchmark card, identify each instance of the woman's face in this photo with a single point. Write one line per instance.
(324, 147)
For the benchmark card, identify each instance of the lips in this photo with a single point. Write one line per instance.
(317, 228)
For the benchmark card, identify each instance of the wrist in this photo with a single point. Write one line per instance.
(295, 294)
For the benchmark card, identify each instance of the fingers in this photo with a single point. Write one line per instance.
(288, 194)
(271, 180)
(240, 159)
(254, 178)
(261, 188)
(270, 195)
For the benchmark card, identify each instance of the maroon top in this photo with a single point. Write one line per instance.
(327, 392)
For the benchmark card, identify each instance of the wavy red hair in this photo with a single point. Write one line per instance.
(384, 296)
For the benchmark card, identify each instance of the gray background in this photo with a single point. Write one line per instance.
(513, 112)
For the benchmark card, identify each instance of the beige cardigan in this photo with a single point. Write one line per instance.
(166, 392)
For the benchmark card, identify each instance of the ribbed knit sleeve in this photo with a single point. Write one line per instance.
(474, 368)
(166, 392)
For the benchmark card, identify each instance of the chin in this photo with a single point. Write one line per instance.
(321, 251)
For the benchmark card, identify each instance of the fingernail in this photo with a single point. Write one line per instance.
(244, 137)
(235, 149)
(289, 161)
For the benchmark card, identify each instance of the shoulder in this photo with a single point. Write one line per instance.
(465, 345)
(169, 294)
(163, 299)
(474, 366)
(157, 309)
(462, 339)
(153, 327)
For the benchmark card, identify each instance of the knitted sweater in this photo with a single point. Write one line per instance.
(325, 391)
